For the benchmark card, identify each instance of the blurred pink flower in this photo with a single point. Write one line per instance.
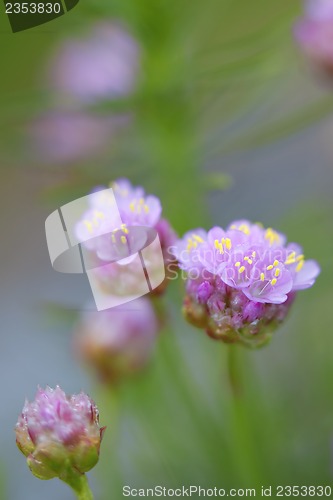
(119, 341)
(64, 137)
(314, 33)
(102, 65)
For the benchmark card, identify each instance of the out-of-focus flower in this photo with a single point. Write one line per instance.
(102, 65)
(314, 33)
(64, 137)
(60, 435)
(117, 342)
(241, 281)
(135, 209)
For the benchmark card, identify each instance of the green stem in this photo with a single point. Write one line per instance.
(234, 372)
(243, 444)
(79, 483)
(108, 469)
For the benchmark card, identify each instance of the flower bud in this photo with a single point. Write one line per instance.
(60, 435)
(117, 342)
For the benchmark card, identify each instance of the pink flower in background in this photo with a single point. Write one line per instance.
(314, 33)
(117, 342)
(69, 136)
(59, 434)
(104, 64)
(241, 281)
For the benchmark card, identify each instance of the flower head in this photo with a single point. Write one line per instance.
(135, 208)
(59, 434)
(117, 342)
(242, 280)
(314, 33)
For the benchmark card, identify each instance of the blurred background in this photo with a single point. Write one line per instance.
(211, 107)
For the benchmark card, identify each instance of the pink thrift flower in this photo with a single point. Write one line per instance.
(242, 280)
(59, 434)
(117, 342)
(135, 208)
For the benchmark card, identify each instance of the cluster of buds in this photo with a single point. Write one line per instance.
(314, 33)
(241, 281)
(60, 435)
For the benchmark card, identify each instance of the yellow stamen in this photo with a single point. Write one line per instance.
(273, 281)
(113, 238)
(277, 272)
(189, 244)
(254, 253)
(291, 258)
(299, 265)
(237, 264)
(198, 238)
(271, 235)
(262, 277)
(300, 257)
(228, 243)
(244, 228)
(250, 261)
(146, 209)
(88, 225)
(123, 239)
(124, 228)
(99, 214)
(132, 206)
(269, 267)
(217, 244)
(241, 269)
(275, 263)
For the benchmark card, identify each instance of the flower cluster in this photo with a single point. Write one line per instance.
(241, 281)
(60, 435)
(135, 209)
(314, 33)
(117, 342)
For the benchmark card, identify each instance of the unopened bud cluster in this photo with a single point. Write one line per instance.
(60, 435)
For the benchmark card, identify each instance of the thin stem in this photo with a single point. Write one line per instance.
(79, 484)
(243, 445)
(108, 469)
(85, 492)
(234, 372)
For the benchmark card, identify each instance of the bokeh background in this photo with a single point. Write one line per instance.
(225, 120)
